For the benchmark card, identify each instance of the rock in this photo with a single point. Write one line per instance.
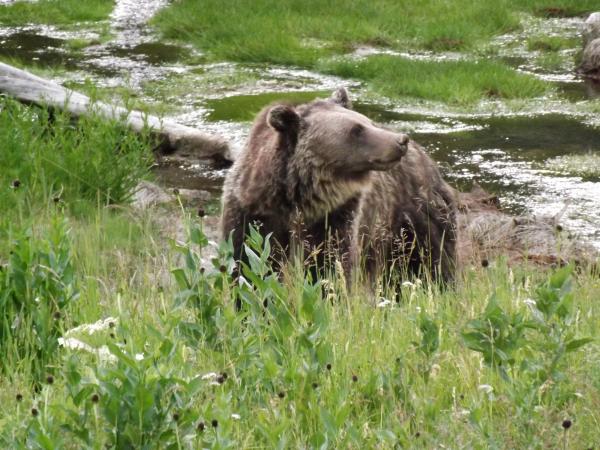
(149, 194)
(486, 232)
(591, 28)
(590, 60)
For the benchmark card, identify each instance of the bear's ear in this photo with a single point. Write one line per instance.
(341, 97)
(283, 118)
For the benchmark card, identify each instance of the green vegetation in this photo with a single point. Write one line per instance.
(47, 158)
(302, 34)
(450, 82)
(151, 358)
(289, 32)
(551, 43)
(586, 165)
(56, 12)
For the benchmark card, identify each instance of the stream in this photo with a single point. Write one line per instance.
(506, 153)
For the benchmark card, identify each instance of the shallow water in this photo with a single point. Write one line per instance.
(505, 154)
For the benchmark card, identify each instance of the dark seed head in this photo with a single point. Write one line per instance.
(34, 412)
(222, 269)
(201, 212)
(220, 379)
(224, 375)
(19, 397)
(559, 228)
(354, 378)
(56, 199)
(176, 417)
(485, 263)
(566, 424)
(281, 394)
(462, 396)
(95, 398)
(201, 426)
(328, 366)
(202, 270)
(315, 385)
(214, 423)
(417, 435)
(112, 335)
(56, 315)
(111, 324)
(16, 184)
(50, 379)
(175, 191)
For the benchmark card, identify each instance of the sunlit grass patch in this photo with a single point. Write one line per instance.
(453, 82)
(301, 32)
(585, 165)
(58, 12)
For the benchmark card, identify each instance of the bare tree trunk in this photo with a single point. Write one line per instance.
(174, 137)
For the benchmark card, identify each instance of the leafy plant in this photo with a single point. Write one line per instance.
(529, 350)
(37, 287)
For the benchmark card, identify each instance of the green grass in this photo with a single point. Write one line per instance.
(288, 32)
(304, 34)
(55, 12)
(585, 165)
(551, 43)
(453, 82)
(302, 372)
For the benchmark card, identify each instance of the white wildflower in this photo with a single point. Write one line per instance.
(486, 388)
(91, 328)
(105, 355)
(210, 376)
(74, 344)
(408, 284)
(139, 356)
(530, 302)
(383, 302)
(418, 309)
(236, 416)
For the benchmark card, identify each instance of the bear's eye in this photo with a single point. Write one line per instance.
(357, 130)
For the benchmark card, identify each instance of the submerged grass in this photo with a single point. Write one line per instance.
(586, 165)
(55, 12)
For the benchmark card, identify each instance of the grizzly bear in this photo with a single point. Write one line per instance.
(320, 174)
(406, 220)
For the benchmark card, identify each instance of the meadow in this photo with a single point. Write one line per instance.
(113, 335)
(117, 333)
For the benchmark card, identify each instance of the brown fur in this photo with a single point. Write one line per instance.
(302, 172)
(316, 172)
(406, 220)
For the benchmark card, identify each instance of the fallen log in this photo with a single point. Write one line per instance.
(173, 137)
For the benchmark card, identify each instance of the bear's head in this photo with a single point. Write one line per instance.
(337, 138)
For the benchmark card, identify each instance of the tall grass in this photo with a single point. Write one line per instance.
(59, 12)
(495, 362)
(47, 158)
